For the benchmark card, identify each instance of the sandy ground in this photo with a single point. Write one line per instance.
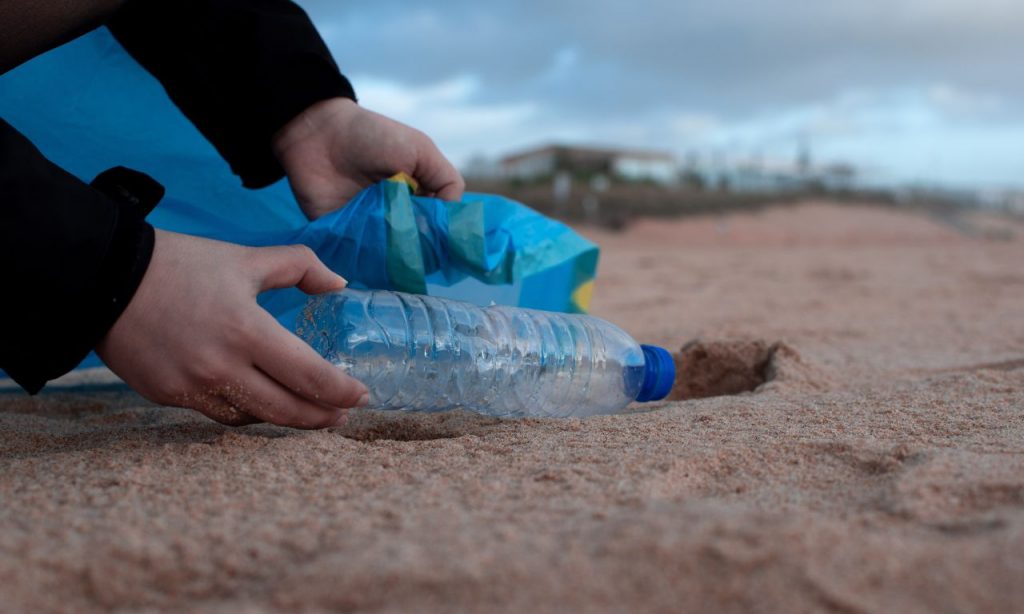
(879, 467)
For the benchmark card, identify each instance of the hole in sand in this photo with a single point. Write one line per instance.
(719, 368)
(368, 426)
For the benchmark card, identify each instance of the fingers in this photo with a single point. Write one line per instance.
(453, 191)
(437, 175)
(284, 358)
(295, 265)
(259, 396)
(217, 408)
(297, 367)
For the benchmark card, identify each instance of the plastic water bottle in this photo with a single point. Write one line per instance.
(423, 353)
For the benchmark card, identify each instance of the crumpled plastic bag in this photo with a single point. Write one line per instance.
(485, 249)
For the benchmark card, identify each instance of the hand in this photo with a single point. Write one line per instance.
(335, 148)
(194, 336)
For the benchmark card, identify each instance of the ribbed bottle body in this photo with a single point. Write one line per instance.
(422, 353)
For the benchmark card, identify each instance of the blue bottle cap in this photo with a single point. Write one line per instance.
(659, 374)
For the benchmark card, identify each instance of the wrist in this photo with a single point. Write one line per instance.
(311, 124)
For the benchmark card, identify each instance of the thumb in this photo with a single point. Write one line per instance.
(436, 174)
(295, 266)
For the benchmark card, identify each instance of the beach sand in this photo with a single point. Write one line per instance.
(877, 466)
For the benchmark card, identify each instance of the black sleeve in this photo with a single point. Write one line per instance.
(239, 69)
(72, 255)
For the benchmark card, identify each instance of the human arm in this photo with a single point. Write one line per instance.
(72, 259)
(238, 69)
(175, 316)
(258, 81)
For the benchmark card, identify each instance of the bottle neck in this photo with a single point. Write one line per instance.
(659, 374)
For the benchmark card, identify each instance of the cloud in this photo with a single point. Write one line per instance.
(695, 74)
(960, 102)
(447, 111)
(740, 57)
(690, 126)
(396, 99)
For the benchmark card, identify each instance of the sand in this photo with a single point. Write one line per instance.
(877, 465)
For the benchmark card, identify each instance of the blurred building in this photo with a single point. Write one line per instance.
(1015, 201)
(480, 166)
(624, 164)
(1011, 201)
(839, 176)
(768, 176)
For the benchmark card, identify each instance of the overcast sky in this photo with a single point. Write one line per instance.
(908, 90)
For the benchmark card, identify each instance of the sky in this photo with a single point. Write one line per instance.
(909, 91)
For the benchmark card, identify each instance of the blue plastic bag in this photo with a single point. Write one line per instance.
(89, 106)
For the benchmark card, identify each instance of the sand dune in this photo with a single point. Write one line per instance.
(877, 464)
